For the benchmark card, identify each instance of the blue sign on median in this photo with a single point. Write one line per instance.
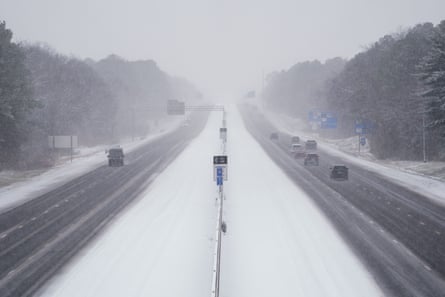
(219, 176)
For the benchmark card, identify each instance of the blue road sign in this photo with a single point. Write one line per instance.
(328, 120)
(219, 171)
(329, 123)
(219, 180)
(362, 140)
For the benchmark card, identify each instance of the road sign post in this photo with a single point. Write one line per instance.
(223, 134)
(220, 168)
(363, 127)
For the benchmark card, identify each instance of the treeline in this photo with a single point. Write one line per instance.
(45, 93)
(397, 83)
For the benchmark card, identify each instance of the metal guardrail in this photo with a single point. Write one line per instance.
(217, 255)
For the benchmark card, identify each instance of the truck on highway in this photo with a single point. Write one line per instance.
(116, 157)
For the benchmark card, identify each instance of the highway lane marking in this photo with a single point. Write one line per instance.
(4, 235)
(382, 231)
(437, 232)
(409, 215)
(33, 218)
(57, 205)
(20, 226)
(422, 223)
(399, 209)
(427, 267)
(395, 241)
(371, 221)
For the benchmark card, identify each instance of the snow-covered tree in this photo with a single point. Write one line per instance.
(15, 98)
(433, 75)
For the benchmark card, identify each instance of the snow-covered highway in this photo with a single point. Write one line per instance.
(277, 243)
(281, 240)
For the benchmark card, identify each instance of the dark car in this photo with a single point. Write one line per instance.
(116, 157)
(311, 145)
(274, 136)
(311, 160)
(339, 172)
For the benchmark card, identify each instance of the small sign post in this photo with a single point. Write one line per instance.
(219, 176)
(223, 134)
(63, 142)
(220, 169)
(363, 127)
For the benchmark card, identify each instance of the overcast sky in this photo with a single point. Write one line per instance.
(223, 46)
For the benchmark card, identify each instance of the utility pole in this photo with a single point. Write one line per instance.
(423, 138)
(132, 123)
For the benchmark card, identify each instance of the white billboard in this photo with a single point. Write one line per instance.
(63, 141)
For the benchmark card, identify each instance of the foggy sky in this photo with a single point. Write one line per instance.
(223, 46)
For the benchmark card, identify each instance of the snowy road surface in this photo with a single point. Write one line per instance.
(429, 186)
(278, 243)
(88, 159)
(397, 233)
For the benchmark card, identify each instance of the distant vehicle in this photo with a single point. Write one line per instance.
(295, 139)
(116, 157)
(295, 147)
(339, 172)
(297, 150)
(224, 227)
(311, 160)
(274, 136)
(311, 145)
